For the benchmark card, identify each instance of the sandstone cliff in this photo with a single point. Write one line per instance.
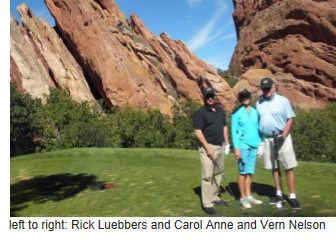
(94, 48)
(295, 40)
(47, 61)
(25, 69)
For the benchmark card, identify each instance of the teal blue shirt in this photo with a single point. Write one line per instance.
(245, 128)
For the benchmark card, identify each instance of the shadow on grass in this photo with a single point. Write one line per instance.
(41, 189)
(260, 189)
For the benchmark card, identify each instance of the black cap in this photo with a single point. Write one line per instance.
(266, 83)
(244, 93)
(208, 91)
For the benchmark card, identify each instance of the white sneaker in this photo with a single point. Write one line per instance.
(253, 200)
(245, 203)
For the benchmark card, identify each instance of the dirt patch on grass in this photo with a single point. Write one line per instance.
(24, 176)
(325, 211)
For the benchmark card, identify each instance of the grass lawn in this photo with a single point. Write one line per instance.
(152, 183)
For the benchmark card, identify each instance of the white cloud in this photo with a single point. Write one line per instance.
(207, 33)
(229, 36)
(193, 3)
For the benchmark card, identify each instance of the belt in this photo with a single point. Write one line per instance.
(279, 133)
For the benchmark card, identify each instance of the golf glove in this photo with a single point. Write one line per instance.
(260, 149)
(226, 149)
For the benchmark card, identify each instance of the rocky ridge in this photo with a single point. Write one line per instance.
(94, 51)
(40, 60)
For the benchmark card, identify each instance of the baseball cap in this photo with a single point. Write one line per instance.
(266, 83)
(244, 93)
(208, 91)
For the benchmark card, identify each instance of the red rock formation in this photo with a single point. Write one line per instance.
(106, 54)
(132, 65)
(187, 73)
(48, 61)
(295, 40)
(124, 64)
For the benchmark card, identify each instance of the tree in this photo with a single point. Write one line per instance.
(25, 122)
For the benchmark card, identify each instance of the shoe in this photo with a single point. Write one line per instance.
(276, 200)
(220, 202)
(279, 202)
(245, 203)
(253, 200)
(209, 210)
(294, 203)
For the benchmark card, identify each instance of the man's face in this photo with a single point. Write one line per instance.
(268, 92)
(210, 99)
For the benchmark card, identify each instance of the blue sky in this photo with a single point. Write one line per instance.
(206, 26)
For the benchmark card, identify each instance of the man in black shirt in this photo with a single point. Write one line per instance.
(211, 130)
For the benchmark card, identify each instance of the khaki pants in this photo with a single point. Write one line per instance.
(211, 182)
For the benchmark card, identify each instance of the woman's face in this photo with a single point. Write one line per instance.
(246, 100)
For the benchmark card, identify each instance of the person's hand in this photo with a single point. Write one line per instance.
(279, 141)
(227, 149)
(237, 153)
(210, 153)
(260, 149)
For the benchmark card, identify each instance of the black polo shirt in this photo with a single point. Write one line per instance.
(211, 123)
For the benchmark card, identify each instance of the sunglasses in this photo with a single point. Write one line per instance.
(210, 96)
(245, 97)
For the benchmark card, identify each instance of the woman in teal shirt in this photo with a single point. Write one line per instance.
(246, 139)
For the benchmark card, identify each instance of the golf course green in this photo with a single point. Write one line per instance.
(150, 183)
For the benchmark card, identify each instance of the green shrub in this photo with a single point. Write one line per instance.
(24, 122)
(168, 82)
(60, 112)
(314, 134)
(182, 134)
(137, 127)
(154, 61)
(232, 81)
(124, 25)
(139, 39)
(63, 123)
(95, 133)
(234, 71)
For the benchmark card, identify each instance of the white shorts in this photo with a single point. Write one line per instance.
(286, 154)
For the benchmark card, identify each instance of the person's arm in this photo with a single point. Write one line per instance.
(226, 146)
(287, 128)
(226, 135)
(234, 135)
(204, 143)
(289, 115)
